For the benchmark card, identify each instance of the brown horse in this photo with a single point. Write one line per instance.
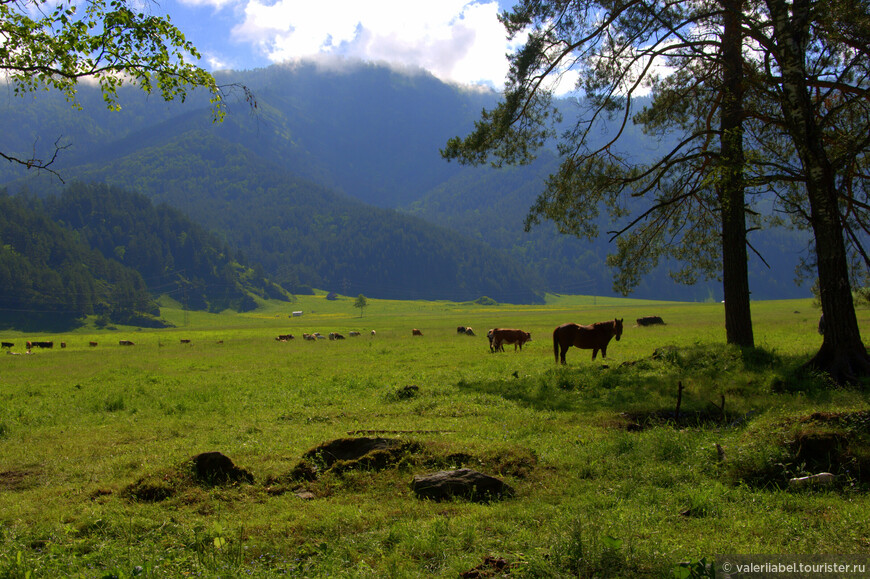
(594, 337)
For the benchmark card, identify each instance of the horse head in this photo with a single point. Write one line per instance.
(617, 329)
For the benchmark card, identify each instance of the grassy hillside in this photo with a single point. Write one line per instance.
(95, 444)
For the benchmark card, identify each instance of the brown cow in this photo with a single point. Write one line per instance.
(416, 332)
(125, 343)
(460, 329)
(501, 336)
(92, 344)
(284, 337)
(469, 331)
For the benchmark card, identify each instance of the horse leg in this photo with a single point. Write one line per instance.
(594, 352)
(556, 347)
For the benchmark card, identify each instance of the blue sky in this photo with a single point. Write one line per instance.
(458, 41)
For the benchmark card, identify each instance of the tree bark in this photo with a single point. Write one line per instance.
(735, 277)
(843, 354)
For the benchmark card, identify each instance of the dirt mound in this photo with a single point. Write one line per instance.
(215, 468)
(203, 470)
(361, 453)
(837, 443)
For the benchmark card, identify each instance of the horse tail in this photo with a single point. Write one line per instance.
(556, 344)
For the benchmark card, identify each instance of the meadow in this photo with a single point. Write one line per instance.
(609, 480)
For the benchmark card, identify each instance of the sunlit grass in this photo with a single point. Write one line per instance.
(608, 482)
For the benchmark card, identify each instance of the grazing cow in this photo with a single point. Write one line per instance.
(594, 337)
(650, 321)
(822, 325)
(353, 334)
(125, 343)
(63, 344)
(184, 341)
(284, 337)
(92, 344)
(319, 336)
(460, 329)
(31, 345)
(416, 332)
(469, 332)
(373, 333)
(501, 336)
(7, 345)
(335, 336)
(309, 337)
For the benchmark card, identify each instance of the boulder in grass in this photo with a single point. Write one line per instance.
(217, 468)
(461, 483)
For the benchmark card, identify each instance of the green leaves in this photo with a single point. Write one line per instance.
(108, 42)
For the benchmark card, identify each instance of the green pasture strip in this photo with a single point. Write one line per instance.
(606, 483)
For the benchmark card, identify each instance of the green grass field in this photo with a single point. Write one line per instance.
(95, 444)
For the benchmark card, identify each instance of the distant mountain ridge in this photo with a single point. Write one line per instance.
(294, 187)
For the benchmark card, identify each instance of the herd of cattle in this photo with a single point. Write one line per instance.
(497, 337)
(318, 336)
(31, 345)
(594, 337)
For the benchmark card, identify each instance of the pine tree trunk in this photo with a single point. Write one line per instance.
(735, 278)
(842, 354)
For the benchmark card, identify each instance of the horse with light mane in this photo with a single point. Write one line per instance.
(594, 337)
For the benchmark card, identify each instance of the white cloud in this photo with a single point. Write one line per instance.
(456, 40)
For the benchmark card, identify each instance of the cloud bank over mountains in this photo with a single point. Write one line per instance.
(458, 41)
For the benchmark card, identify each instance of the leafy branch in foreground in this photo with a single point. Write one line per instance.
(47, 45)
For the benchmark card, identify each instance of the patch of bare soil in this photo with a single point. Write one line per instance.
(18, 480)
(490, 567)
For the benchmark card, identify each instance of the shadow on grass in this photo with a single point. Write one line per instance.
(649, 387)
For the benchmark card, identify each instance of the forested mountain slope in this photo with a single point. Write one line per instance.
(49, 278)
(100, 250)
(307, 235)
(173, 254)
(493, 204)
(292, 184)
